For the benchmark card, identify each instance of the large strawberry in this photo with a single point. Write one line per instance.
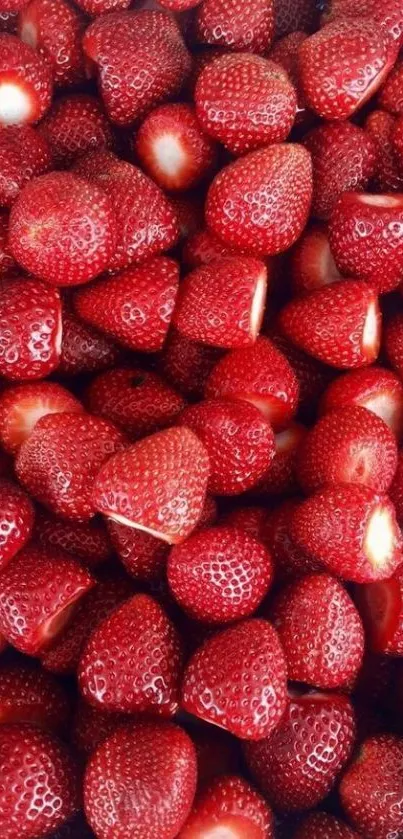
(26, 82)
(54, 28)
(375, 388)
(16, 520)
(229, 805)
(31, 328)
(21, 406)
(248, 27)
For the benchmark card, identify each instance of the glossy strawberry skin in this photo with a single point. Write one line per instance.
(322, 825)
(381, 608)
(87, 542)
(16, 520)
(203, 247)
(232, 804)
(24, 154)
(55, 28)
(381, 126)
(7, 264)
(31, 324)
(241, 27)
(186, 364)
(31, 76)
(30, 695)
(84, 349)
(75, 126)
(143, 556)
(376, 388)
(21, 406)
(312, 264)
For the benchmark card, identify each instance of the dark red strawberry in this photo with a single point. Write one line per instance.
(59, 461)
(312, 263)
(16, 520)
(297, 765)
(84, 349)
(75, 125)
(269, 191)
(21, 406)
(31, 328)
(249, 519)
(239, 26)
(320, 631)
(189, 210)
(229, 805)
(375, 388)
(91, 726)
(281, 477)
(87, 542)
(381, 609)
(203, 247)
(153, 766)
(26, 82)
(143, 556)
(178, 5)
(8, 20)
(352, 530)
(31, 695)
(381, 126)
(187, 364)
(293, 14)
(7, 264)
(98, 7)
(24, 153)
(237, 680)
(393, 342)
(312, 375)
(323, 826)
(290, 561)
(396, 490)
(54, 28)
(397, 141)
(387, 16)
(285, 53)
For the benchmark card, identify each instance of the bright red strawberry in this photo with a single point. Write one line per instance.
(381, 126)
(84, 349)
(374, 388)
(371, 789)
(134, 306)
(238, 440)
(312, 263)
(323, 826)
(343, 65)
(26, 82)
(143, 556)
(352, 530)
(203, 247)
(237, 680)
(390, 96)
(16, 520)
(173, 148)
(339, 324)
(7, 263)
(348, 445)
(39, 788)
(87, 542)
(98, 7)
(381, 608)
(24, 153)
(91, 726)
(393, 342)
(229, 805)
(320, 631)
(237, 25)
(291, 15)
(219, 575)
(153, 766)
(290, 561)
(261, 375)
(39, 590)
(245, 102)
(269, 191)
(158, 485)
(21, 406)
(31, 328)
(59, 461)
(297, 765)
(54, 28)
(281, 477)
(187, 364)
(31, 695)
(75, 125)
(133, 660)
(250, 520)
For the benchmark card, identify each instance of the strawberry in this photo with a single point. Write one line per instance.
(245, 102)
(24, 153)
(153, 766)
(363, 238)
(312, 376)
(396, 490)
(237, 680)
(219, 575)
(229, 805)
(189, 211)
(84, 349)
(87, 542)
(323, 826)
(222, 303)
(250, 520)
(217, 752)
(261, 375)
(10, 6)
(291, 15)
(290, 561)
(240, 26)
(75, 125)
(390, 96)
(371, 789)
(173, 148)
(269, 191)
(134, 306)
(91, 727)
(26, 82)
(63, 229)
(374, 388)
(98, 7)
(352, 530)
(348, 445)
(285, 53)
(381, 126)
(339, 324)
(343, 65)
(16, 520)
(39, 590)
(158, 485)
(60, 459)
(312, 263)
(187, 364)
(136, 400)
(238, 440)
(31, 328)
(297, 765)
(40, 782)
(320, 631)
(179, 5)
(393, 342)
(143, 556)
(7, 264)
(203, 247)
(21, 406)
(388, 16)
(381, 608)
(54, 28)
(281, 477)
(8, 20)
(397, 141)
(32, 696)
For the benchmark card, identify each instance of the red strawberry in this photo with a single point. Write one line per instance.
(189, 210)
(238, 440)
(60, 459)
(237, 680)
(98, 7)
(320, 631)
(75, 125)
(396, 490)
(269, 192)
(261, 375)
(290, 561)
(24, 153)
(281, 477)
(87, 542)
(39, 590)
(7, 263)
(390, 96)
(343, 65)
(297, 765)
(388, 16)
(393, 341)
(153, 766)
(240, 26)
(31, 328)
(134, 306)
(217, 752)
(26, 82)
(91, 727)
(10, 6)
(352, 530)
(381, 608)
(339, 324)
(54, 28)
(187, 364)
(158, 485)
(147, 224)
(178, 5)
(219, 575)
(16, 520)
(137, 401)
(133, 660)
(285, 53)
(348, 445)
(203, 247)
(371, 789)
(84, 349)
(245, 102)
(312, 376)
(293, 14)
(40, 783)
(222, 303)
(32, 696)
(143, 556)
(323, 826)
(397, 142)
(381, 126)
(250, 520)
(229, 805)
(374, 388)
(312, 263)
(172, 147)
(21, 406)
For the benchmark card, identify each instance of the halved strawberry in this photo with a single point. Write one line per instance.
(74, 126)
(381, 608)
(143, 555)
(26, 82)
(186, 363)
(381, 126)
(21, 406)
(247, 28)
(229, 805)
(31, 328)
(87, 541)
(84, 349)
(281, 477)
(374, 388)
(30, 695)
(324, 826)
(312, 263)
(54, 28)
(16, 520)
(24, 153)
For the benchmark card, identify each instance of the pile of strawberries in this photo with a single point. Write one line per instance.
(201, 408)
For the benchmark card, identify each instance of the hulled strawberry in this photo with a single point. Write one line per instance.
(84, 349)
(74, 126)
(16, 520)
(381, 126)
(229, 804)
(24, 153)
(30, 695)
(374, 388)
(54, 28)
(31, 328)
(324, 826)
(312, 263)
(87, 541)
(143, 555)
(248, 27)
(26, 82)
(186, 364)
(21, 406)
(381, 609)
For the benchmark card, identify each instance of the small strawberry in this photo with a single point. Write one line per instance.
(393, 342)
(31, 328)
(320, 631)
(54, 28)
(250, 520)
(290, 561)
(143, 556)
(21, 406)
(339, 324)
(381, 127)
(374, 388)
(381, 608)
(323, 826)
(74, 126)
(203, 247)
(291, 15)
(239, 26)
(390, 96)
(187, 364)
(24, 153)
(87, 542)
(269, 192)
(297, 765)
(229, 805)
(84, 349)
(237, 680)
(39, 590)
(60, 459)
(26, 82)
(151, 765)
(30, 695)
(16, 520)
(312, 263)
(91, 726)
(281, 478)
(352, 530)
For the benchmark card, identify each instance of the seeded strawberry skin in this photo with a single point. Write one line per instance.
(31, 326)
(75, 126)
(376, 388)
(54, 29)
(232, 804)
(22, 405)
(30, 695)
(237, 26)
(320, 825)
(30, 80)
(16, 520)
